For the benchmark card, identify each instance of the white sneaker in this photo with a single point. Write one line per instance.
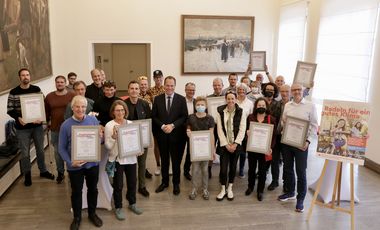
(230, 194)
(222, 193)
(158, 171)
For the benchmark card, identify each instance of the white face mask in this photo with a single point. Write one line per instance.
(255, 90)
(200, 108)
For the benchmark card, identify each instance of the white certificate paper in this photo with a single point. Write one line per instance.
(295, 131)
(146, 132)
(260, 137)
(129, 140)
(212, 105)
(32, 107)
(304, 74)
(200, 146)
(85, 143)
(258, 60)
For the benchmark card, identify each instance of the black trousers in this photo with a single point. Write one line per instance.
(170, 151)
(275, 163)
(228, 163)
(130, 173)
(76, 181)
(298, 157)
(187, 165)
(253, 160)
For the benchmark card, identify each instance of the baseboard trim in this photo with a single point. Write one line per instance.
(372, 165)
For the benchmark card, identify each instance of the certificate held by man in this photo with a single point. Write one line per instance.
(259, 137)
(85, 143)
(32, 107)
(129, 140)
(295, 132)
(213, 103)
(258, 60)
(200, 146)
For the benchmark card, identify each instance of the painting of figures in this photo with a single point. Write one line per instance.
(24, 41)
(216, 44)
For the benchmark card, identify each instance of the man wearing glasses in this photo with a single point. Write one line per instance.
(299, 108)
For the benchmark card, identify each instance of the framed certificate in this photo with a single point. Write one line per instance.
(258, 60)
(213, 103)
(295, 131)
(129, 140)
(32, 107)
(146, 132)
(304, 74)
(260, 137)
(85, 143)
(200, 145)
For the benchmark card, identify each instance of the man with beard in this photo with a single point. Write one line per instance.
(27, 131)
(55, 105)
(102, 106)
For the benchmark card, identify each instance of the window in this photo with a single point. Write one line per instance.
(291, 38)
(344, 53)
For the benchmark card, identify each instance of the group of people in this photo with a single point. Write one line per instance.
(174, 117)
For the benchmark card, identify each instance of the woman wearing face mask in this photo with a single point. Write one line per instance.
(260, 114)
(198, 121)
(231, 126)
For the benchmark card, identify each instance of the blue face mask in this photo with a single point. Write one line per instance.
(200, 108)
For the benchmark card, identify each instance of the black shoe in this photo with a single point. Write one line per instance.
(273, 186)
(176, 189)
(161, 187)
(187, 175)
(209, 172)
(248, 191)
(28, 179)
(259, 196)
(148, 175)
(47, 175)
(75, 224)
(143, 192)
(95, 220)
(60, 178)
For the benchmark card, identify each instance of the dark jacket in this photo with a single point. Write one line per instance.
(177, 116)
(142, 108)
(236, 122)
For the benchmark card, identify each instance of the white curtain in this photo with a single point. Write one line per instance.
(291, 38)
(345, 48)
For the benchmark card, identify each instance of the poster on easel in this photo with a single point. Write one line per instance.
(343, 132)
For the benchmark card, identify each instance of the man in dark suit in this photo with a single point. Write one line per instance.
(169, 115)
(190, 102)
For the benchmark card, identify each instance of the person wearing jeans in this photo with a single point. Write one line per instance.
(78, 169)
(299, 108)
(124, 165)
(26, 132)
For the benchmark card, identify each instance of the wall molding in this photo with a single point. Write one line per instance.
(372, 165)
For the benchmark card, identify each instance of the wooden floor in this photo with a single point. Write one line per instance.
(46, 205)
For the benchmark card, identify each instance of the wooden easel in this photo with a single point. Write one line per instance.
(335, 202)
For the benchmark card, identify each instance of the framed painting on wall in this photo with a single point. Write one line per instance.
(24, 41)
(216, 44)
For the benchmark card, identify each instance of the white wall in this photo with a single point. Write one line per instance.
(74, 25)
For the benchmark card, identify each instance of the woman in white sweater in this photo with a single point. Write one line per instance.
(127, 165)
